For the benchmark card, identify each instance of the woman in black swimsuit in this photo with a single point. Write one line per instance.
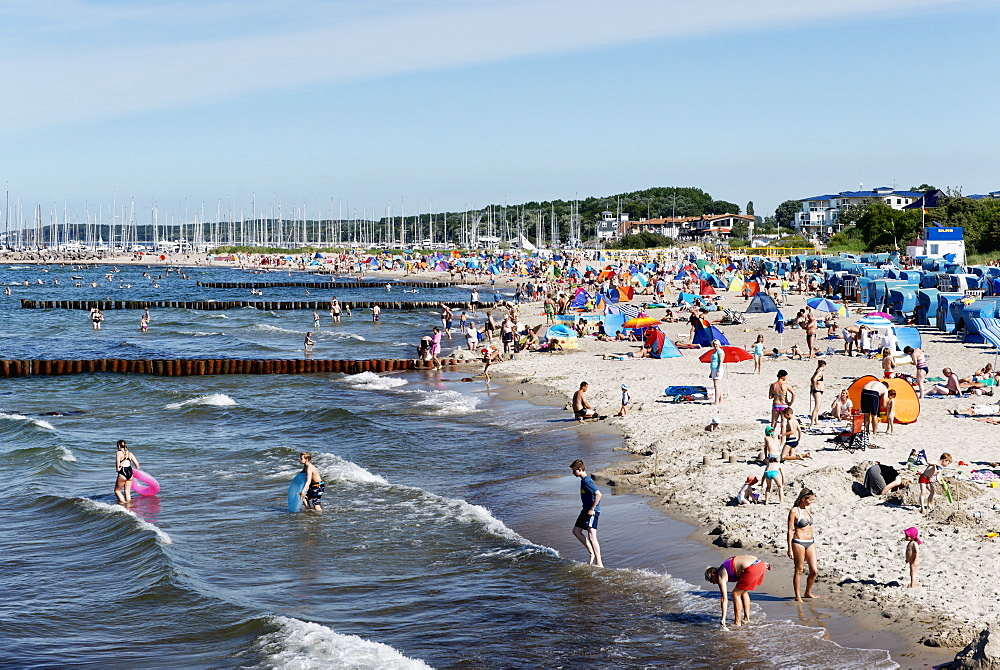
(125, 463)
(801, 543)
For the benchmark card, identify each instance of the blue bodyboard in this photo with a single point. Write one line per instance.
(295, 492)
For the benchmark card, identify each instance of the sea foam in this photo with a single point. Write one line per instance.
(372, 381)
(211, 400)
(267, 328)
(304, 645)
(105, 508)
(36, 422)
(67, 455)
(449, 403)
(466, 512)
(339, 335)
(335, 468)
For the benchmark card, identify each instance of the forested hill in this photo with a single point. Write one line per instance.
(649, 203)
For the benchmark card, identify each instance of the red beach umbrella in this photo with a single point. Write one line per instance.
(730, 355)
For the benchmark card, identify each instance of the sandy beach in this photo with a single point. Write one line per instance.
(859, 540)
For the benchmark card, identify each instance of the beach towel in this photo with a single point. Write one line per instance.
(686, 393)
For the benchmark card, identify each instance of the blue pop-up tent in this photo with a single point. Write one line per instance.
(703, 336)
(761, 303)
(580, 300)
(689, 298)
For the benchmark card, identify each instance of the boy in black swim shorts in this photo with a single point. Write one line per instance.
(315, 487)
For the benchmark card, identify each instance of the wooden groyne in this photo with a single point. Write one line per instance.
(185, 367)
(215, 305)
(331, 285)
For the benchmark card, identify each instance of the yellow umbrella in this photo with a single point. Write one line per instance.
(641, 322)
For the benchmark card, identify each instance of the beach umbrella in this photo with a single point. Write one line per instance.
(824, 305)
(874, 322)
(881, 314)
(730, 355)
(779, 325)
(641, 322)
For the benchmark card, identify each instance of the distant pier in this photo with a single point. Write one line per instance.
(187, 367)
(216, 305)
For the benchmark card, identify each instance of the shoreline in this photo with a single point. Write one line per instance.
(200, 262)
(859, 549)
(831, 613)
(859, 539)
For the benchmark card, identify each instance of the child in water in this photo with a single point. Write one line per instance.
(314, 489)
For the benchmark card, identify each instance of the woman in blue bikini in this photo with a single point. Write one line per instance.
(802, 544)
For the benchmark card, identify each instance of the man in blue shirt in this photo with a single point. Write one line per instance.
(660, 288)
(585, 528)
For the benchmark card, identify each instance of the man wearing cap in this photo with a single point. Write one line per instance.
(626, 401)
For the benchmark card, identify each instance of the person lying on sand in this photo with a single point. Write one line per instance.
(976, 410)
(794, 352)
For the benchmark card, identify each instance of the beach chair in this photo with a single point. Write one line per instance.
(854, 438)
(732, 317)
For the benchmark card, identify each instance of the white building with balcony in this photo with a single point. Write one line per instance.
(818, 218)
(610, 226)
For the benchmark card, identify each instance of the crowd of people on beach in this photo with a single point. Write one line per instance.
(876, 403)
(501, 329)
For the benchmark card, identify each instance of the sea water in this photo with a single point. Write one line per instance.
(444, 541)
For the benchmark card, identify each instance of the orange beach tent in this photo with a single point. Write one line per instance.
(907, 402)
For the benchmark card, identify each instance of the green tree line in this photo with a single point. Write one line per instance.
(881, 228)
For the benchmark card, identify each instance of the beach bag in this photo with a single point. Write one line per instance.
(859, 441)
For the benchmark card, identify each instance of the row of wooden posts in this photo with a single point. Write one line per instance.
(214, 305)
(333, 285)
(212, 366)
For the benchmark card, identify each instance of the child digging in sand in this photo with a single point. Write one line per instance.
(913, 541)
(926, 481)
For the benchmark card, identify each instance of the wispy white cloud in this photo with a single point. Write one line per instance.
(92, 74)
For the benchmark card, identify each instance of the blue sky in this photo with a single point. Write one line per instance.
(467, 103)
